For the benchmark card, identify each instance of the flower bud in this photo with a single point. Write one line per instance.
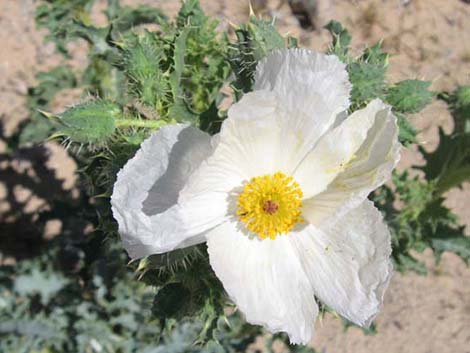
(90, 122)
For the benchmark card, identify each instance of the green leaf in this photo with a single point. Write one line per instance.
(452, 240)
(409, 263)
(180, 112)
(210, 121)
(57, 16)
(178, 63)
(340, 37)
(367, 82)
(449, 164)
(407, 133)
(190, 14)
(264, 37)
(171, 301)
(36, 131)
(409, 96)
(125, 18)
(255, 40)
(144, 61)
(459, 104)
(367, 76)
(38, 99)
(46, 285)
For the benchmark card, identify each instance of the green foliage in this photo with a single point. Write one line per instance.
(178, 72)
(367, 75)
(449, 164)
(459, 103)
(421, 222)
(46, 285)
(142, 60)
(254, 41)
(204, 66)
(77, 293)
(54, 303)
(38, 100)
(366, 72)
(407, 133)
(56, 15)
(124, 18)
(340, 39)
(409, 96)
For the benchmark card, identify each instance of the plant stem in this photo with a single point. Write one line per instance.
(151, 124)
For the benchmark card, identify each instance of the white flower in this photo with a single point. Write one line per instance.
(279, 195)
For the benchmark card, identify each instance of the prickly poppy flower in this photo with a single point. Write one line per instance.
(279, 195)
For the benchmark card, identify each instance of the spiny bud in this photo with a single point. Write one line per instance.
(90, 122)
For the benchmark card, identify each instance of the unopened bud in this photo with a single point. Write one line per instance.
(90, 122)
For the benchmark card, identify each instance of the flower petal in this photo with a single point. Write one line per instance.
(311, 89)
(340, 148)
(297, 76)
(371, 167)
(349, 264)
(298, 95)
(145, 200)
(265, 280)
(251, 135)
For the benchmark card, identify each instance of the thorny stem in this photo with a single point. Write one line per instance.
(151, 124)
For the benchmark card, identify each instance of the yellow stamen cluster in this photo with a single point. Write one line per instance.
(270, 205)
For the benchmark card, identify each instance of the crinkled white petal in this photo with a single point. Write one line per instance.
(145, 200)
(349, 264)
(251, 135)
(298, 95)
(311, 89)
(338, 149)
(298, 75)
(371, 166)
(265, 279)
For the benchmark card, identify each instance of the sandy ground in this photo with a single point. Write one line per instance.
(428, 39)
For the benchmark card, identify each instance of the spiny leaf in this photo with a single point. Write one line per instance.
(143, 61)
(459, 104)
(409, 263)
(124, 18)
(56, 16)
(340, 39)
(407, 132)
(452, 240)
(255, 40)
(409, 96)
(367, 76)
(190, 14)
(178, 110)
(449, 164)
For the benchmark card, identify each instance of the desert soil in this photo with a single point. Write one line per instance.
(428, 39)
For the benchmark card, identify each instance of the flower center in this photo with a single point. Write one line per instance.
(270, 205)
